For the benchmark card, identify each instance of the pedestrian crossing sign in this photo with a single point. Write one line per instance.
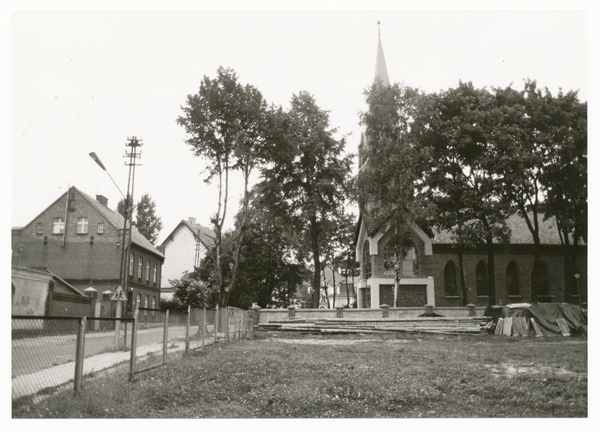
(119, 295)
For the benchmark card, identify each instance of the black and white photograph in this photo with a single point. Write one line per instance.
(317, 210)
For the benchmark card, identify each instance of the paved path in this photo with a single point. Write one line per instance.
(37, 372)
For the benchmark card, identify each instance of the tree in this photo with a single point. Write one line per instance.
(388, 181)
(191, 291)
(461, 180)
(542, 141)
(305, 181)
(223, 125)
(147, 222)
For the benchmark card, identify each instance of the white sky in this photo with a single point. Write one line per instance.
(83, 81)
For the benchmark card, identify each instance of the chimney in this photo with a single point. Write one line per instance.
(192, 220)
(102, 200)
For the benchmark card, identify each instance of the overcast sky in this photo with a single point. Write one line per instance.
(84, 81)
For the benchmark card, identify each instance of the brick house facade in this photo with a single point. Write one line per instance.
(79, 238)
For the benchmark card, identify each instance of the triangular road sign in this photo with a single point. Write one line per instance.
(119, 295)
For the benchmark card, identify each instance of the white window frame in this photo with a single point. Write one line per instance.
(39, 229)
(131, 264)
(58, 226)
(155, 272)
(147, 270)
(82, 225)
(140, 267)
(100, 227)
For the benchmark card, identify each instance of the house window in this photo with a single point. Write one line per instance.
(140, 267)
(58, 226)
(147, 301)
(512, 279)
(154, 272)
(131, 264)
(366, 261)
(450, 286)
(148, 271)
(40, 228)
(82, 225)
(139, 301)
(100, 227)
(153, 302)
(481, 279)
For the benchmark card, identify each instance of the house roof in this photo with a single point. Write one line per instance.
(70, 288)
(114, 218)
(204, 234)
(117, 220)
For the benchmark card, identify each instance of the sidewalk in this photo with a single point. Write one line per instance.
(25, 385)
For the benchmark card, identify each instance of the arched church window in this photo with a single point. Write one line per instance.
(481, 279)
(450, 286)
(512, 279)
(366, 260)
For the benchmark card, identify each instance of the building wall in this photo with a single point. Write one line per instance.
(143, 285)
(180, 254)
(30, 294)
(431, 267)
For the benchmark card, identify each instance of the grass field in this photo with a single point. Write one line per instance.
(283, 375)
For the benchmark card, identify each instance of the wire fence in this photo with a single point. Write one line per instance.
(54, 355)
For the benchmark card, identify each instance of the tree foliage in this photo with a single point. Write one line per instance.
(148, 223)
(224, 123)
(305, 181)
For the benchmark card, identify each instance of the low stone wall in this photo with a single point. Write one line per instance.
(263, 316)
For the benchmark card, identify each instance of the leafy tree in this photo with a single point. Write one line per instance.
(223, 122)
(542, 142)
(147, 222)
(461, 180)
(125, 210)
(393, 171)
(190, 290)
(305, 181)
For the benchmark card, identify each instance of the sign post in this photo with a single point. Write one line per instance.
(119, 297)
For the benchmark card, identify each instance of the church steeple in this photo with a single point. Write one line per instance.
(381, 72)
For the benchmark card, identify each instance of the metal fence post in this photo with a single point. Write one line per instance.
(187, 330)
(133, 345)
(165, 337)
(203, 324)
(217, 324)
(227, 323)
(79, 354)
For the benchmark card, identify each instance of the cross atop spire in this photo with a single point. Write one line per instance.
(381, 72)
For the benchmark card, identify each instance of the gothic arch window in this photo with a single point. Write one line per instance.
(366, 261)
(541, 280)
(410, 263)
(450, 286)
(512, 279)
(481, 279)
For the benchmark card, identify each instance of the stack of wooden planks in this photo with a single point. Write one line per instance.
(439, 325)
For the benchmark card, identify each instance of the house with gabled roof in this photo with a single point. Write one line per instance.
(184, 248)
(80, 238)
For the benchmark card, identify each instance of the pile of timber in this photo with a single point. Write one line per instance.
(439, 325)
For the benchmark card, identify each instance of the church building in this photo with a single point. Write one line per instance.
(430, 269)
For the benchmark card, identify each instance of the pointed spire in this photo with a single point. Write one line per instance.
(381, 72)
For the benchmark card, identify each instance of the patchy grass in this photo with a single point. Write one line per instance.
(279, 375)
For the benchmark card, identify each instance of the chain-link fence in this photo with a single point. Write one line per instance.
(55, 354)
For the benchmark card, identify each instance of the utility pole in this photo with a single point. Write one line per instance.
(133, 143)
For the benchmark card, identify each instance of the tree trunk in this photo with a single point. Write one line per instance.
(491, 262)
(461, 275)
(316, 261)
